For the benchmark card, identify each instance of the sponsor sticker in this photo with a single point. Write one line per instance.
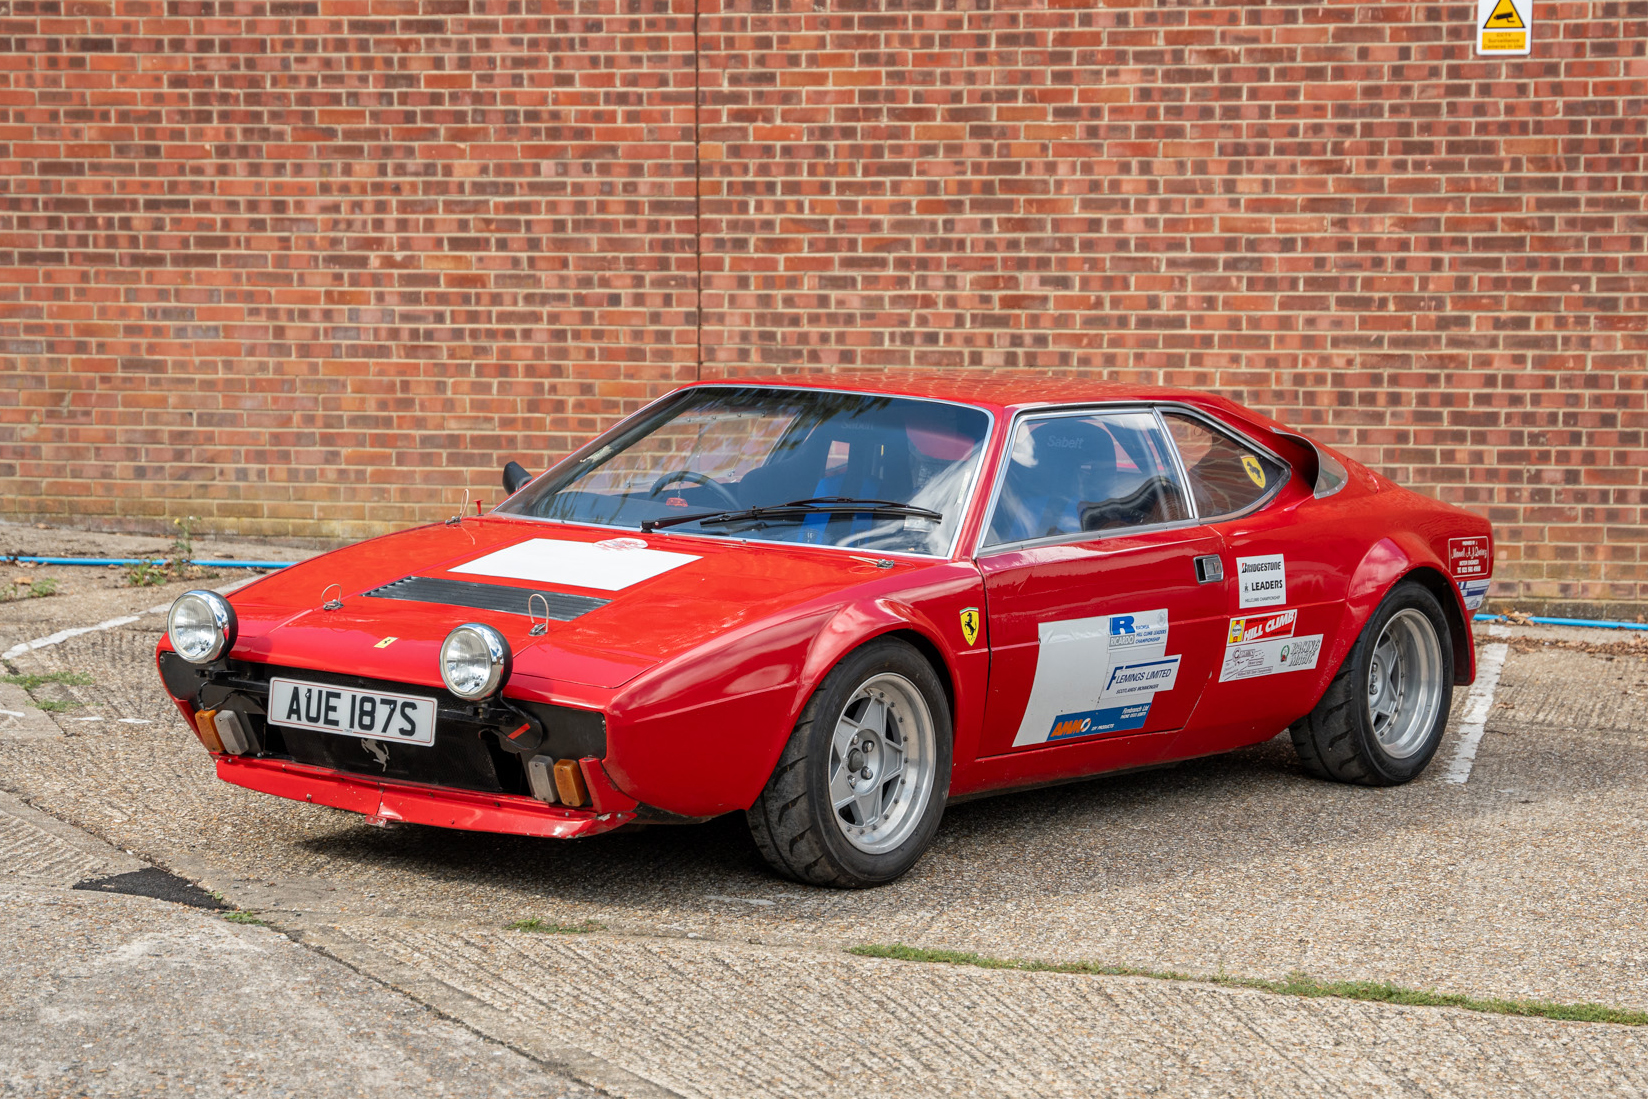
(1281, 654)
(1468, 556)
(1259, 627)
(1147, 678)
(1474, 591)
(1116, 719)
(1097, 675)
(1263, 581)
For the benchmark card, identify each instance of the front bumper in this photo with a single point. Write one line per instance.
(414, 804)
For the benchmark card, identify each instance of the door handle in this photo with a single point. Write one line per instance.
(1209, 568)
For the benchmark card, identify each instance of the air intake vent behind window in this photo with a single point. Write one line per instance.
(488, 597)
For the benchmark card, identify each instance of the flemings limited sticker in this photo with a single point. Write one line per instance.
(1263, 581)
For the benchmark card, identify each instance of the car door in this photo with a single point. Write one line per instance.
(1104, 597)
(1285, 592)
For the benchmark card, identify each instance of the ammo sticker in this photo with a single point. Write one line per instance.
(1263, 580)
(1468, 556)
(1097, 675)
(1282, 654)
(1258, 627)
(1473, 592)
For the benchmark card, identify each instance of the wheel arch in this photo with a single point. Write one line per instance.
(1389, 562)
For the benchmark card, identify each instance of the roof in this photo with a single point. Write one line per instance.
(995, 389)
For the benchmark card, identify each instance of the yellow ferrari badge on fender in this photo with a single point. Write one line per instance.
(970, 624)
(386, 642)
(1255, 471)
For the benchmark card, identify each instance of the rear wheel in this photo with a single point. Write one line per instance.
(859, 789)
(1382, 717)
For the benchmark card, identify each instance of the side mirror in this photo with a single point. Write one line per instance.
(515, 475)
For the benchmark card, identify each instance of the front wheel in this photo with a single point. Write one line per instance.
(859, 789)
(1382, 717)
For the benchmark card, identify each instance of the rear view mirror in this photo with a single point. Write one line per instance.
(515, 475)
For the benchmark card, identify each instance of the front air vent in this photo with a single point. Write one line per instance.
(489, 597)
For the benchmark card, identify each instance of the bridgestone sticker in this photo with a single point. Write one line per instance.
(1096, 676)
(1263, 581)
(1282, 654)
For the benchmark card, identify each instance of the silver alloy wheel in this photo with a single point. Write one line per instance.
(1405, 683)
(882, 757)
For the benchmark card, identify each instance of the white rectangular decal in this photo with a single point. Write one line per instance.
(1263, 581)
(580, 564)
(1282, 654)
(1097, 675)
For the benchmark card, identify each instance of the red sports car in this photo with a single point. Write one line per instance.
(838, 603)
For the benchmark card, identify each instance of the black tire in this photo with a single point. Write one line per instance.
(793, 822)
(1337, 739)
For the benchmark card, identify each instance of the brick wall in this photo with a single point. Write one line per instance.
(311, 267)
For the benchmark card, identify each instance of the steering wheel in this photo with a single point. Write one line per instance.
(697, 478)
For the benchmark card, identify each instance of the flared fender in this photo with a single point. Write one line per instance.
(1388, 561)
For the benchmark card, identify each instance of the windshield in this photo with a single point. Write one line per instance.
(718, 450)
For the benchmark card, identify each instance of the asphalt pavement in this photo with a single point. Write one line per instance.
(708, 976)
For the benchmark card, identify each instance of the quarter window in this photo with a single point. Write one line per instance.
(1086, 474)
(1225, 475)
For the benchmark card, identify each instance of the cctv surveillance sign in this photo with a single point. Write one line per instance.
(1504, 28)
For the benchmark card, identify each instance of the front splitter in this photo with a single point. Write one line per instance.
(403, 802)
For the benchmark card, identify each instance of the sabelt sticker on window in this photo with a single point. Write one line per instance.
(1468, 556)
(1097, 675)
(1263, 581)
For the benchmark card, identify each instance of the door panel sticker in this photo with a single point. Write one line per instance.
(1260, 627)
(1263, 581)
(1097, 675)
(1468, 556)
(1281, 654)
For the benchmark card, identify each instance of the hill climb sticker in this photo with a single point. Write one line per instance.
(1096, 676)
(1264, 645)
(1504, 28)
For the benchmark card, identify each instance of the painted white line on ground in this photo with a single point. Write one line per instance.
(1478, 704)
(13, 713)
(63, 635)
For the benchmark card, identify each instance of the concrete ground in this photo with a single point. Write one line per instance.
(711, 977)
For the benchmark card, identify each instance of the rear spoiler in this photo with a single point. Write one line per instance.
(1330, 472)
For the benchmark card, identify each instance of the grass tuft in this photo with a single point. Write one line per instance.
(242, 916)
(58, 705)
(1295, 984)
(34, 682)
(552, 927)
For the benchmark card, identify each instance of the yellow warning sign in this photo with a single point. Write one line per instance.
(1504, 28)
(1504, 16)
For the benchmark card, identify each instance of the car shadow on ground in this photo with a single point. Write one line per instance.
(999, 839)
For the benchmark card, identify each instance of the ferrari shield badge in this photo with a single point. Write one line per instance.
(1255, 471)
(970, 624)
(386, 642)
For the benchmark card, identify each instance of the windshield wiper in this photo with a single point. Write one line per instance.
(816, 505)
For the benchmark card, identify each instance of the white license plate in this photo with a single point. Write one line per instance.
(374, 715)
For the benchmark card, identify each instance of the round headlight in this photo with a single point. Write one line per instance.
(201, 625)
(474, 661)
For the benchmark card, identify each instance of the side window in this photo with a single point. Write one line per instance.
(1225, 475)
(1076, 474)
